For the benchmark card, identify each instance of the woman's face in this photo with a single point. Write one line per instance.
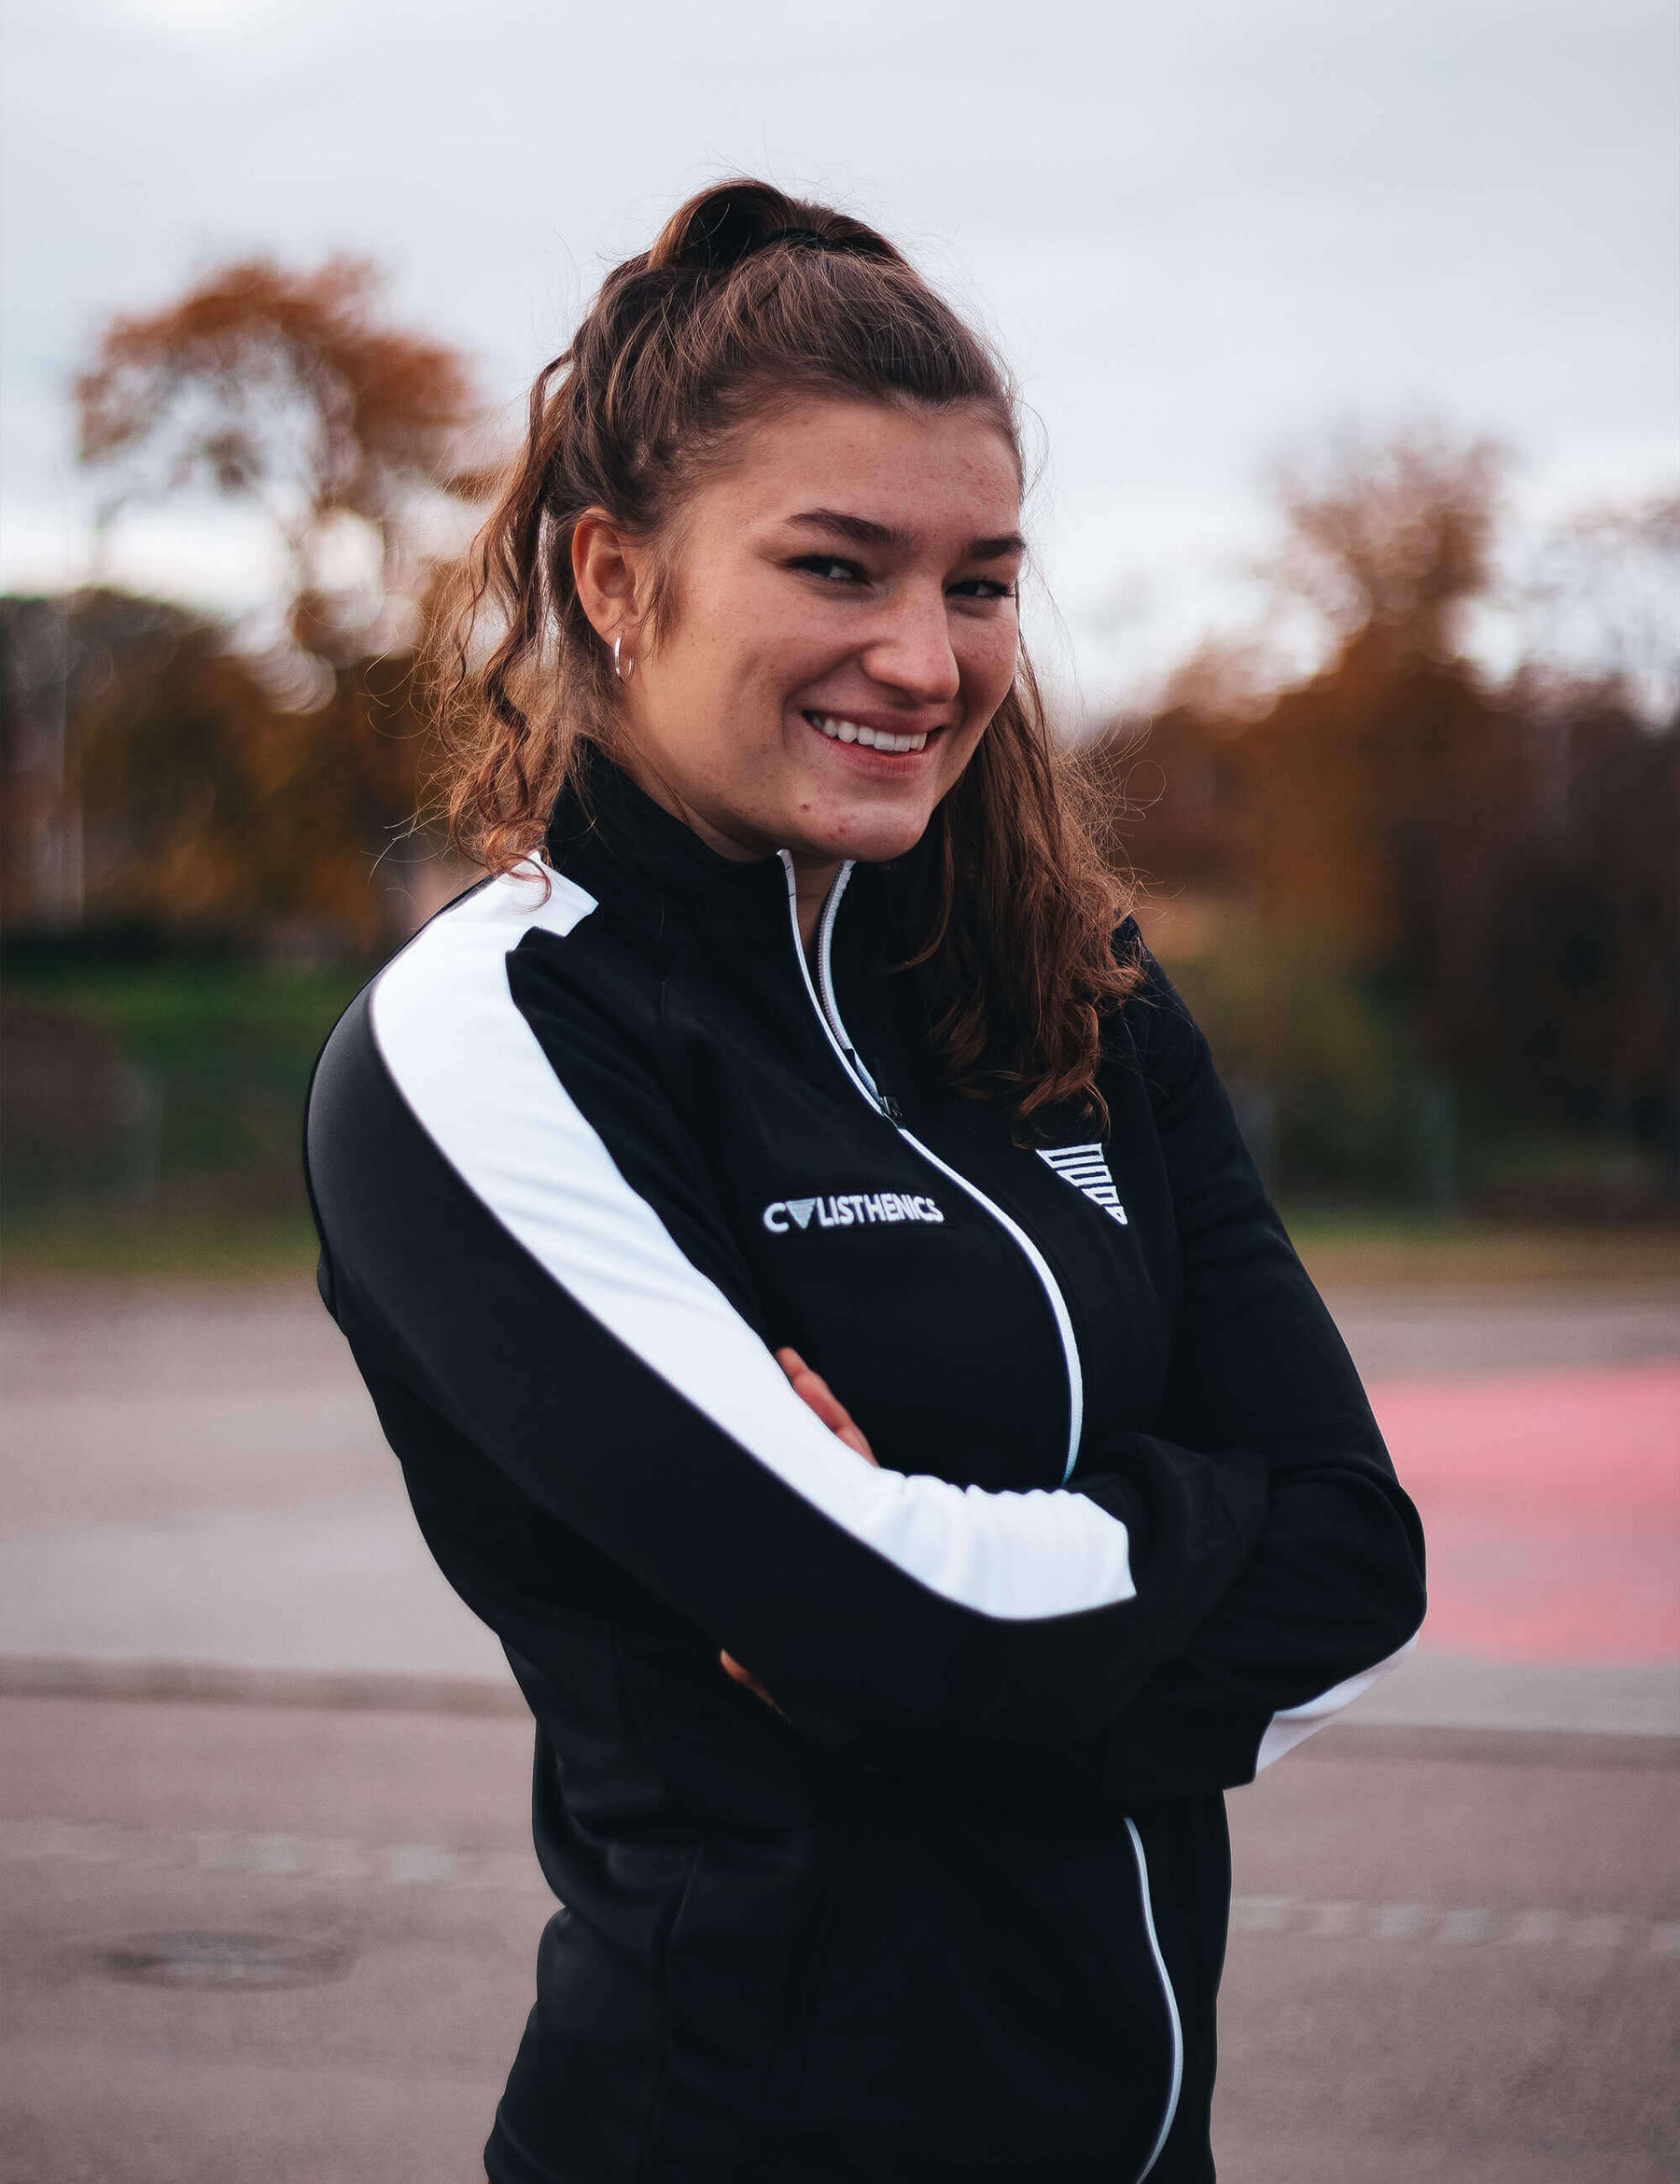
(842, 627)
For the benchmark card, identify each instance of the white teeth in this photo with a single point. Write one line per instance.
(840, 731)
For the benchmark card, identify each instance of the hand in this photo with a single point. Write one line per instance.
(814, 1391)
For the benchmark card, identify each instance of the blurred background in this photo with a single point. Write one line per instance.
(1349, 340)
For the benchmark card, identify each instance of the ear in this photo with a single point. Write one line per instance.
(608, 572)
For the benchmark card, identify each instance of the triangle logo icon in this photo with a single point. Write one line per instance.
(802, 1209)
(1086, 1167)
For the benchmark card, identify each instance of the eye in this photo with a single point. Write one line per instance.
(831, 568)
(982, 588)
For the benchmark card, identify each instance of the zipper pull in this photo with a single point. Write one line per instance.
(890, 1108)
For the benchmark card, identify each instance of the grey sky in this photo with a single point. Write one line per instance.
(1196, 230)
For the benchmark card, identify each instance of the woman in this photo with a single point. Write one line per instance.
(884, 1703)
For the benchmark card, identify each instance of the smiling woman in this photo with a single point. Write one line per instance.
(771, 419)
(804, 1259)
(829, 673)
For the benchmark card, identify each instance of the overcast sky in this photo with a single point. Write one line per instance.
(1199, 231)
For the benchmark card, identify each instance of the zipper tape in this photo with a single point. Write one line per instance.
(1175, 2084)
(828, 1016)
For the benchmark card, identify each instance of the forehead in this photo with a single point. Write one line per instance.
(927, 472)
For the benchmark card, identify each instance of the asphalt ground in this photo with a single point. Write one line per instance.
(256, 1941)
(266, 1943)
(192, 1483)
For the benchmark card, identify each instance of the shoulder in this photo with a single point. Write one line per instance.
(498, 978)
(445, 960)
(1155, 1025)
(529, 966)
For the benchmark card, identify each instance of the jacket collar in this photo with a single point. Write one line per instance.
(613, 839)
(655, 873)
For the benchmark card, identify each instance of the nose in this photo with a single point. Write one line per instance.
(910, 648)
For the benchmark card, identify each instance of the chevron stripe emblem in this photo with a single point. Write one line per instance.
(1086, 1167)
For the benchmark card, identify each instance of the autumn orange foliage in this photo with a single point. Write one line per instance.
(1490, 865)
(293, 392)
(246, 780)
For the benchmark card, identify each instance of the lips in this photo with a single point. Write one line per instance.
(839, 728)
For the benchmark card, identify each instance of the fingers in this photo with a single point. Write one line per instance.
(814, 1391)
(745, 1676)
(816, 1394)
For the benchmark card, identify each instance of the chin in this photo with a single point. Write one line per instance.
(872, 838)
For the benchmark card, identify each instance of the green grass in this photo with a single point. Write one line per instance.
(229, 1047)
(1350, 1246)
(219, 1055)
(167, 1007)
(234, 1248)
(1343, 1247)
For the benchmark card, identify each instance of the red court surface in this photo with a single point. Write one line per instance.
(1552, 1500)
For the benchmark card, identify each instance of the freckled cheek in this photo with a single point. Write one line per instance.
(771, 656)
(987, 665)
(745, 672)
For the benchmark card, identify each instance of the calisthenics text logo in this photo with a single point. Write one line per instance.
(849, 1209)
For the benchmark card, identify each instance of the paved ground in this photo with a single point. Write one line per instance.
(1446, 1969)
(1456, 1918)
(194, 1480)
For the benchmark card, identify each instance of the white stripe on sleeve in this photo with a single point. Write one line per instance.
(477, 1080)
(1296, 1724)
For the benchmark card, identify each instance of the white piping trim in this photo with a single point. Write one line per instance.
(1176, 2083)
(476, 1078)
(1296, 1724)
(841, 1041)
(830, 1007)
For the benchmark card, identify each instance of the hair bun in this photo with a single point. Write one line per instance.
(732, 220)
(809, 238)
(715, 228)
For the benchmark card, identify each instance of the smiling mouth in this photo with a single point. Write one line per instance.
(838, 729)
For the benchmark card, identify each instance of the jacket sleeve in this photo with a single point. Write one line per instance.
(580, 1319)
(1334, 1594)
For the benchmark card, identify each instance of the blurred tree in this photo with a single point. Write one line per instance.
(1597, 602)
(1492, 869)
(1370, 784)
(42, 875)
(202, 804)
(162, 770)
(1329, 807)
(293, 392)
(1573, 992)
(1390, 536)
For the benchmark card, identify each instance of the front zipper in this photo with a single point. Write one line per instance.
(1176, 2078)
(828, 1016)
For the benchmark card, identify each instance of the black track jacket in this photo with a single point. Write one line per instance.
(580, 1159)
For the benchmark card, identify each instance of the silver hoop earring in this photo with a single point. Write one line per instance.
(624, 669)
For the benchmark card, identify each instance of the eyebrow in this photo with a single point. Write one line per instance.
(866, 531)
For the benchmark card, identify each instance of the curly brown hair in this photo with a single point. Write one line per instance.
(747, 298)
